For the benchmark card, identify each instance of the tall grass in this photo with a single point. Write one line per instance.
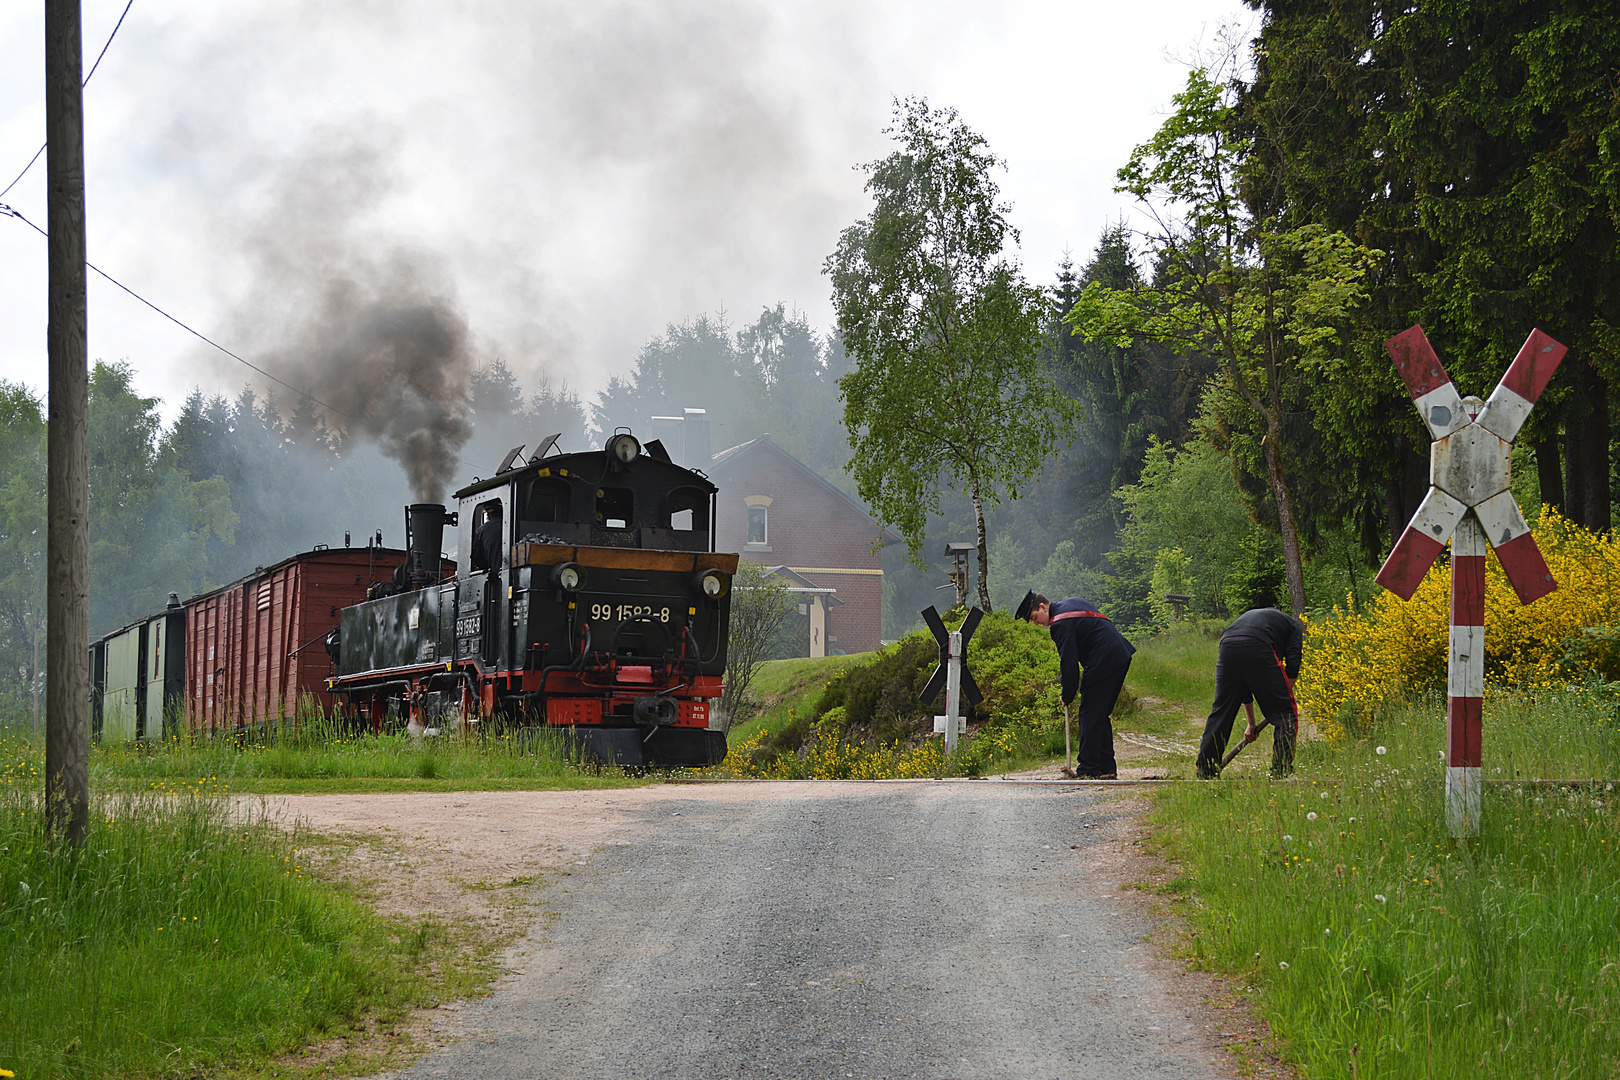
(1178, 665)
(1382, 947)
(297, 756)
(177, 941)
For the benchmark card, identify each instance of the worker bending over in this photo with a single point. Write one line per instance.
(1258, 661)
(1086, 638)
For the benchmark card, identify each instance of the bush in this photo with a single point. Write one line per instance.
(869, 718)
(1357, 661)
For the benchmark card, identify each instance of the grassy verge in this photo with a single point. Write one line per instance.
(785, 688)
(1380, 947)
(316, 758)
(1172, 679)
(181, 942)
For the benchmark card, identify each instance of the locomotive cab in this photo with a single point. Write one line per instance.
(587, 598)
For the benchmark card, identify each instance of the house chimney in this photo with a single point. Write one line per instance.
(667, 430)
(695, 441)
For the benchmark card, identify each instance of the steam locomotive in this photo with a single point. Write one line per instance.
(588, 599)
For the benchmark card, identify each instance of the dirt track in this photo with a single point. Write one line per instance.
(941, 930)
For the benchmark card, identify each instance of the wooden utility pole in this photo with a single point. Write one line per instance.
(67, 558)
(33, 681)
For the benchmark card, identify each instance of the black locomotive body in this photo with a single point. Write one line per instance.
(587, 598)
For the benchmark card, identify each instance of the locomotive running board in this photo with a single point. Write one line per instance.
(610, 558)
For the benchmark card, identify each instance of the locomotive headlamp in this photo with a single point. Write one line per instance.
(712, 584)
(623, 448)
(568, 576)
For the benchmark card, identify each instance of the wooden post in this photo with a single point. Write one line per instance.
(1470, 502)
(67, 687)
(1465, 678)
(33, 681)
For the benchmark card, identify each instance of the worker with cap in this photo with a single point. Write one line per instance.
(1086, 638)
(1258, 661)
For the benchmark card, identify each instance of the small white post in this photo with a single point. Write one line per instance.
(953, 693)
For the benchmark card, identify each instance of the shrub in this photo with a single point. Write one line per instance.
(869, 722)
(1356, 661)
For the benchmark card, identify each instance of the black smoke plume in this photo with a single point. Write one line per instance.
(392, 365)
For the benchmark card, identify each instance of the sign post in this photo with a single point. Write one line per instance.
(1469, 503)
(952, 674)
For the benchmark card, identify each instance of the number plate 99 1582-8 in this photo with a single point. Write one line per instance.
(469, 625)
(609, 612)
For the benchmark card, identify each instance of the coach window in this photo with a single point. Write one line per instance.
(613, 507)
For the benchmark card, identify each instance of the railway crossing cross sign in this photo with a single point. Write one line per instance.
(1470, 503)
(952, 673)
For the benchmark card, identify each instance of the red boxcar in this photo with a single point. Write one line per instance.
(254, 647)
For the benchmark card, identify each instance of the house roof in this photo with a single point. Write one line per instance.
(735, 453)
(798, 583)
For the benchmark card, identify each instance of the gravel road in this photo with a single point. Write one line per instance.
(841, 930)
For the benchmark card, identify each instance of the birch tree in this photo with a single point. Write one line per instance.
(947, 386)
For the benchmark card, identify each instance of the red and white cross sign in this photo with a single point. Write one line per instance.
(1469, 503)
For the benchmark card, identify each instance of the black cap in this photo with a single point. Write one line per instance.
(1026, 607)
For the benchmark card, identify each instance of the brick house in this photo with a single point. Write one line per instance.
(777, 512)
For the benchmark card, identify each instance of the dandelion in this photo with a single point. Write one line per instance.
(1282, 965)
(1311, 816)
(1327, 931)
(1381, 751)
(1287, 839)
(1380, 897)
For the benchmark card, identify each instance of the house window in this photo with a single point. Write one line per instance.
(756, 525)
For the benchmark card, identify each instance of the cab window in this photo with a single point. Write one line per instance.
(689, 510)
(487, 538)
(614, 507)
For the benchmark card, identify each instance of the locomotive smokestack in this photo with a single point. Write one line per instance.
(424, 539)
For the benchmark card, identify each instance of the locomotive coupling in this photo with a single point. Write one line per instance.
(656, 711)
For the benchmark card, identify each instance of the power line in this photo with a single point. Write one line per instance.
(86, 82)
(9, 211)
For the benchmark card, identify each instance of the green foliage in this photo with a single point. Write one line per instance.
(1271, 306)
(22, 544)
(185, 939)
(1471, 142)
(1171, 574)
(760, 604)
(945, 333)
(1370, 936)
(876, 701)
(1594, 653)
(1187, 501)
(776, 375)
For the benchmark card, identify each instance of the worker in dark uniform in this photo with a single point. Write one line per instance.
(486, 552)
(1258, 661)
(1086, 638)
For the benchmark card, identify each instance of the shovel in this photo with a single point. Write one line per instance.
(1068, 747)
(1247, 738)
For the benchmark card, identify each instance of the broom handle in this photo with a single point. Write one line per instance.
(1238, 749)
(1068, 749)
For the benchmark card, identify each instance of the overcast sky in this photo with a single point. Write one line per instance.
(570, 176)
